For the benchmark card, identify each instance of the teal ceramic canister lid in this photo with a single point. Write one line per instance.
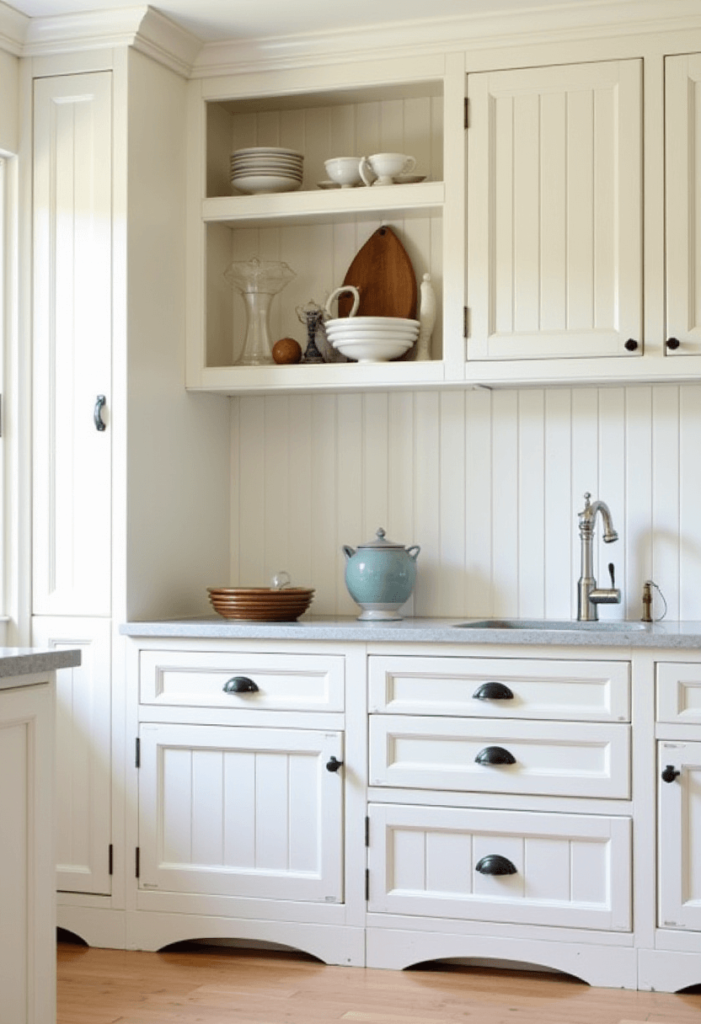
(380, 541)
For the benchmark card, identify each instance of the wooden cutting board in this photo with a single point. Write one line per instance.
(383, 274)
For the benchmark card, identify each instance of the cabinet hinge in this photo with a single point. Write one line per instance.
(467, 112)
(367, 885)
(110, 860)
(137, 862)
(137, 753)
(465, 322)
(367, 831)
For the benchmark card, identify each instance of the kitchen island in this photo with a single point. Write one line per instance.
(27, 869)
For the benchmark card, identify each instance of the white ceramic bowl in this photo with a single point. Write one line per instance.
(386, 332)
(262, 183)
(372, 351)
(372, 321)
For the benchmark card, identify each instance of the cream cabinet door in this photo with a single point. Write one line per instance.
(683, 203)
(554, 201)
(72, 325)
(83, 758)
(679, 804)
(245, 812)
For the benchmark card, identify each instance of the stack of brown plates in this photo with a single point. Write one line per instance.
(260, 604)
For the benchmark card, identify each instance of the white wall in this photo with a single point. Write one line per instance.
(9, 102)
(488, 483)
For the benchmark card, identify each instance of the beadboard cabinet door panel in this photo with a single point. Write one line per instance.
(83, 752)
(566, 870)
(72, 330)
(241, 812)
(679, 809)
(554, 265)
(683, 205)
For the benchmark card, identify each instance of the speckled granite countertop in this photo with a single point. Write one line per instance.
(17, 662)
(670, 635)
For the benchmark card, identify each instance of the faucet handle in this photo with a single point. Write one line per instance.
(612, 574)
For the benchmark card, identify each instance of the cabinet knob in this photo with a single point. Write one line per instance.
(673, 343)
(493, 691)
(631, 345)
(333, 764)
(670, 773)
(100, 403)
(240, 684)
(495, 864)
(495, 755)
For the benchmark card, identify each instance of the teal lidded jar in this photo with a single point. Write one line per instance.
(380, 576)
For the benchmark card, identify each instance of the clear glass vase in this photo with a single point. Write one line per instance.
(257, 281)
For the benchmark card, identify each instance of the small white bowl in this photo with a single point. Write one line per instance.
(372, 321)
(372, 351)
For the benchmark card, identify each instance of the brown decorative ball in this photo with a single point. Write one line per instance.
(287, 350)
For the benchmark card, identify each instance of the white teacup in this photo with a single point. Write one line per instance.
(385, 166)
(344, 170)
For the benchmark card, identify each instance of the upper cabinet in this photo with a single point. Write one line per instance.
(554, 183)
(683, 210)
(560, 230)
(397, 106)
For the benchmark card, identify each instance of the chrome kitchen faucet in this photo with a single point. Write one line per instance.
(589, 596)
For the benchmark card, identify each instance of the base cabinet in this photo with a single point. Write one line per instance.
(28, 916)
(387, 804)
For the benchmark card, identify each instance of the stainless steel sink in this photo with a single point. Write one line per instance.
(552, 624)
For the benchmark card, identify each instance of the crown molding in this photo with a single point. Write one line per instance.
(144, 28)
(13, 30)
(589, 18)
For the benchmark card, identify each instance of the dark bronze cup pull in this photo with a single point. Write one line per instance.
(493, 691)
(670, 773)
(495, 755)
(240, 684)
(333, 764)
(495, 864)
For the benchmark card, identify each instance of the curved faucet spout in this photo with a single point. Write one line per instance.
(589, 596)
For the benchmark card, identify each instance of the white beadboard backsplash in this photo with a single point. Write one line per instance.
(488, 483)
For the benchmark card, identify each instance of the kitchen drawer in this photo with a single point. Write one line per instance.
(570, 870)
(597, 691)
(679, 692)
(550, 758)
(285, 682)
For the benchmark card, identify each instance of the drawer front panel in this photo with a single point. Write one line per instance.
(285, 682)
(566, 690)
(550, 758)
(241, 812)
(570, 870)
(679, 693)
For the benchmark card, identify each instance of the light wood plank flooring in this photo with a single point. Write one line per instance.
(213, 985)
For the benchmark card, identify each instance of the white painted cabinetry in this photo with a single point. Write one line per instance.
(242, 777)
(456, 840)
(28, 918)
(554, 184)
(72, 450)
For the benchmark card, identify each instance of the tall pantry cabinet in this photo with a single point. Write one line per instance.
(118, 528)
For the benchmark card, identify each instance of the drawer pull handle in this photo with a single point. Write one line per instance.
(493, 691)
(495, 864)
(670, 773)
(333, 764)
(100, 403)
(240, 684)
(495, 755)
(673, 343)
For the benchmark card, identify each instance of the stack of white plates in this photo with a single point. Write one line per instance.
(372, 339)
(266, 169)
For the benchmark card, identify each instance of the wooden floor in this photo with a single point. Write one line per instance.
(211, 985)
